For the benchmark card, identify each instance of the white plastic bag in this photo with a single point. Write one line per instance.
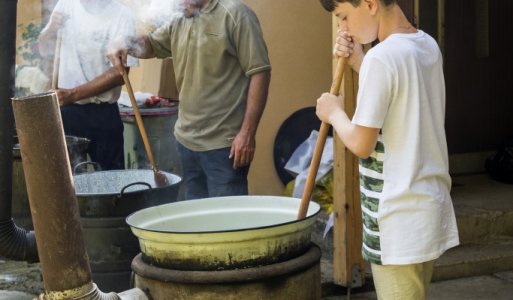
(299, 163)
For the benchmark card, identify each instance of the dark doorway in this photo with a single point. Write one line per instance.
(478, 74)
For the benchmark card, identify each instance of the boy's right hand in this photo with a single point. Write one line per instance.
(329, 106)
(345, 46)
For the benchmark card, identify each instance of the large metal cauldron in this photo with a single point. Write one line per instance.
(119, 193)
(223, 233)
(77, 151)
(105, 198)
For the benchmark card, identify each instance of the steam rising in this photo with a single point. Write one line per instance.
(161, 12)
(151, 14)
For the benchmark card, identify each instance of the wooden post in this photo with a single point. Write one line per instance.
(348, 264)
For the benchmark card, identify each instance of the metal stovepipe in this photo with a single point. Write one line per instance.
(53, 204)
(15, 242)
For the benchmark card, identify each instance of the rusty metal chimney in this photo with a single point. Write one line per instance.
(15, 243)
(53, 204)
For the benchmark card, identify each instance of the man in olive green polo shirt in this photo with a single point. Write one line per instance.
(222, 73)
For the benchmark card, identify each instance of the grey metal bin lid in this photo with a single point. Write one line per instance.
(154, 111)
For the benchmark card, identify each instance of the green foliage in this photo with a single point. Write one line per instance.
(29, 49)
(322, 192)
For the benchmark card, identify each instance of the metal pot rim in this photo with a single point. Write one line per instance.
(313, 210)
(147, 185)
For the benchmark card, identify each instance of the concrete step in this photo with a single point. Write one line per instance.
(479, 271)
(483, 207)
(460, 262)
(484, 212)
(476, 224)
(488, 257)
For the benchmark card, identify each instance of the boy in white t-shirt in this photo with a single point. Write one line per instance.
(398, 133)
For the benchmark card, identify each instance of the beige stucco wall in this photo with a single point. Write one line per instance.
(298, 35)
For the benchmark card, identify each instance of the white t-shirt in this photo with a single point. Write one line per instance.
(405, 184)
(85, 38)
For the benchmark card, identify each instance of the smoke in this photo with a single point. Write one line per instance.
(155, 13)
(30, 71)
(161, 12)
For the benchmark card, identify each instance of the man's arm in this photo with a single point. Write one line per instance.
(243, 146)
(136, 46)
(46, 42)
(104, 82)
(47, 38)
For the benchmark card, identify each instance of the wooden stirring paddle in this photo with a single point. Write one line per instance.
(160, 178)
(319, 145)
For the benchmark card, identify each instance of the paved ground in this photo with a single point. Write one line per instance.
(22, 281)
(13, 295)
(496, 287)
(18, 280)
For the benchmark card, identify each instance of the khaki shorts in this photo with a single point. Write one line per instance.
(402, 282)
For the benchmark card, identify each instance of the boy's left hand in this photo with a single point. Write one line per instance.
(328, 105)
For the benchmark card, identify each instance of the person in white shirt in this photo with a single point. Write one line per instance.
(88, 85)
(398, 133)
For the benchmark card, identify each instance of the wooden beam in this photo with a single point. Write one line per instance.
(348, 264)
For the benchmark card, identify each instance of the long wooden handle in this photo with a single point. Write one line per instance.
(319, 145)
(139, 121)
(56, 61)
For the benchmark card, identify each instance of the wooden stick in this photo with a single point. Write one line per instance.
(56, 61)
(160, 178)
(319, 145)
(139, 120)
